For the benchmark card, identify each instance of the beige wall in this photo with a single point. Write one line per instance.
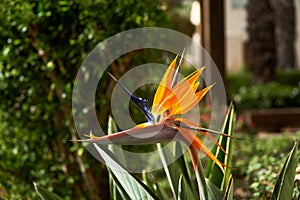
(236, 35)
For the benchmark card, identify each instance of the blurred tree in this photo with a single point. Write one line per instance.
(42, 45)
(262, 50)
(285, 31)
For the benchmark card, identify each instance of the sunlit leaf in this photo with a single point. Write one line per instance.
(134, 188)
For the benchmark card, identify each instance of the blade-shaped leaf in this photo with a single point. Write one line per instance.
(229, 191)
(181, 184)
(213, 172)
(198, 169)
(180, 190)
(134, 188)
(214, 193)
(45, 194)
(116, 189)
(189, 188)
(117, 192)
(150, 183)
(172, 172)
(111, 129)
(285, 183)
(202, 186)
(186, 191)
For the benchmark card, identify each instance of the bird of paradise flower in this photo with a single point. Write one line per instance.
(171, 99)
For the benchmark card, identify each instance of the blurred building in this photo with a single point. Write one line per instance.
(236, 34)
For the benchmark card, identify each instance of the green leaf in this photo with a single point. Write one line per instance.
(117, 191)
(284, 186)
(213, 172)
(184, 190)
(202, 186)
(198, 169)
(181, 184)
(172, 172)
(214, 193)
(180, 193)
(149, 183)
(111, 129)
(134, 188)
(229, 191)
(45, 194)
(182, 162)
(189, 190)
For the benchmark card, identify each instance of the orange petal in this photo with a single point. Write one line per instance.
(196, 126)
(194, 156)
(164, 87)
(192, 77)
(200, 94)
(190, 101)
(180, 94)
(182, 98)
(187, 100)
(192, 139)
(175, 98)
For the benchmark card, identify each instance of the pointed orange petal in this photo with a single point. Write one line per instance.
(192, 139)
(164, 87)
(191, 100)
(186, 102)
(185, 94)
(200, 94)
(192, 77)
(176, 98)
(193, 125)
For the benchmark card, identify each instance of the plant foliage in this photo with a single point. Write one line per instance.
(42, 45)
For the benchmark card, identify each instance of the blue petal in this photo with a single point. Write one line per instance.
(141, 103)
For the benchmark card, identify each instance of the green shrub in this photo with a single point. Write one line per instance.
(284, 91)
(270, 95)
(43, 44)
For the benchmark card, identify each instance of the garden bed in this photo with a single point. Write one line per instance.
(274, 119)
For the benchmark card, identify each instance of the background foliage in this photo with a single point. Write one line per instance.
(284, 91)
(42, 45)
(258, 163)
